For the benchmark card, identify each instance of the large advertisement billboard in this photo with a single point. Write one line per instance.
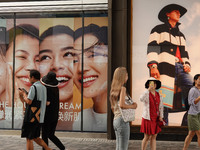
(55, 44)
(167, 48)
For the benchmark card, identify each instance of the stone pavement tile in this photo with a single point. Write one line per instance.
(15, 142)
(104, 144)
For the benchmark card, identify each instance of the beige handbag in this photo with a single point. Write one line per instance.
(128, 115)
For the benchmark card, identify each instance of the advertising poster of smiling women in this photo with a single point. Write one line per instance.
(95, 64)
(165, 45)
(55, 44)
(17, 66)
(61, 51)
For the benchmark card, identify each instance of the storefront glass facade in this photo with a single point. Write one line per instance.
(74, 45)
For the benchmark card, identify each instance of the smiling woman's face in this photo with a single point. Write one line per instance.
(26, 58)
(56, 54)
(95, 66)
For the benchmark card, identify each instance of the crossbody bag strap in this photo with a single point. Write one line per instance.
(35, 98)
(35, 109)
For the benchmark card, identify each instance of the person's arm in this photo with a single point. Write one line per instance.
(192, 98)
(185, 56)
(28, 101)
(48, 103)
(23, 97)
(145, 97)
(122, 103)
(122, 97)
(187, 68)
(197, 100)
(153, 51)
(161, 109)
(49, 95)
(31, 94)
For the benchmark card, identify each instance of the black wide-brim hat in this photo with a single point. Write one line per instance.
(169, 8)
(158, 83)
(50, 80)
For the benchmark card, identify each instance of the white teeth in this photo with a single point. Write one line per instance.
(89, 79)
(62, 79)
(25, 79)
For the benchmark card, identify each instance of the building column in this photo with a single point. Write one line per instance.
(119, 46)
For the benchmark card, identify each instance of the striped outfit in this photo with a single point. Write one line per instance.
(162, 50)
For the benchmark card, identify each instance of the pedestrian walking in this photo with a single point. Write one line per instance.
(194, 112)
(52, 110)
(31, 129)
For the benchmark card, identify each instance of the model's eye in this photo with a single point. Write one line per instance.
(94, 54)
(21, 57)
(69, 54)
(75, 61)
(37, 59)
(90, 54)
(45, 57)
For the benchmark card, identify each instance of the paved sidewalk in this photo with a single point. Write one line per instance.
(13, 141)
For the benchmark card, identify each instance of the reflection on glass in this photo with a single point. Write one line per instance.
(3, 73)
(26, 58)
(5, 113)
(94, 76)
(47, 44)
(56, 54)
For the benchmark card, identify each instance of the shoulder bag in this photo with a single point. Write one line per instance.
(128, 115)
(32, 112)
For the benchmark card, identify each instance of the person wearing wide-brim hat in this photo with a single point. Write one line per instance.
(52, 110)
(50, 80)
(157, 83)
(152, 112)
(168, 59)
(169, 8)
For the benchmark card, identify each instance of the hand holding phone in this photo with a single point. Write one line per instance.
(23, 89)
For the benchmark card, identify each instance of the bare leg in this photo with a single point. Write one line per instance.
(188, 139)
(40, 142)
(145, 141)
(29, 144)
(153, 142)
(198, 136)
